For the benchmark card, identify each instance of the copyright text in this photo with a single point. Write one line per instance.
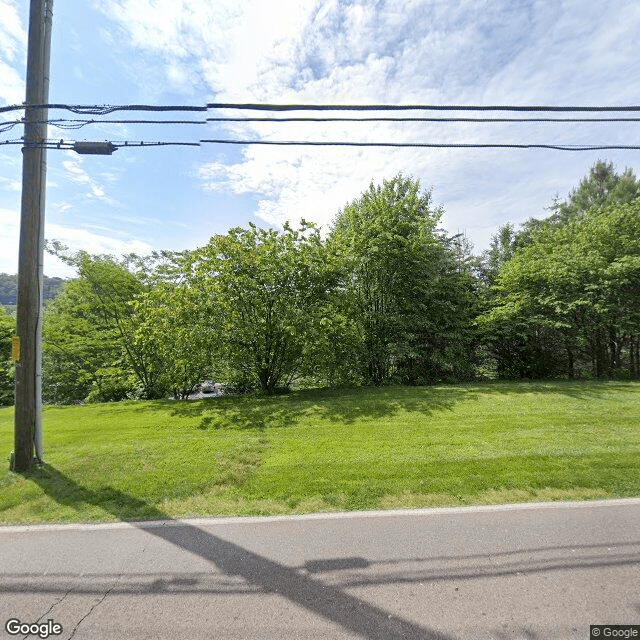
(614, 631)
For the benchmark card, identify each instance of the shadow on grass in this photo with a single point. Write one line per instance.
(579, 389)
(367, 402)
(328, 599)
(332, 603)
(347, 406)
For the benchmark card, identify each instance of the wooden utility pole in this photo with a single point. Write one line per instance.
(28, 394)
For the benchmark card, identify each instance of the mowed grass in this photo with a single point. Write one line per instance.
(322, 450)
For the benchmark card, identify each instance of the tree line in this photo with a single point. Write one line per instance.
(9, 288)
(386, 296)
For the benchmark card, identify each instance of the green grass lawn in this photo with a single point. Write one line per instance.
(323, 450)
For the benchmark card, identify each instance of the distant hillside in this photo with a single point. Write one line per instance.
(9, 288)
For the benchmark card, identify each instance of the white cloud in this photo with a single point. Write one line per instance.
(93, 243)
(96, 192)
(13, 40)
(399, 51)
(13, 36)
(75, 173)
(12, 88)
(62, 207)
(11, 185)
(72, 237)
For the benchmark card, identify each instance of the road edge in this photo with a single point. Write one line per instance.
(328, 515)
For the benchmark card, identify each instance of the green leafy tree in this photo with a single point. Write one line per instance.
(264, 292)
(403, 285)
(9, 288)
(501, 250)
(573, 292)
(182, 331)
(602, 187)
(82, 357)
(536, 304)
(112, 287)
(556, 297)
(7, 369)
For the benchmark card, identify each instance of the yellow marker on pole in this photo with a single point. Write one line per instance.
(15, 348)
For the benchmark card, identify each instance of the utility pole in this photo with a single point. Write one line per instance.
(28, 350)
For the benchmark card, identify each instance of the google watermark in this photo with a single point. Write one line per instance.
(614, 631)
(43, 630)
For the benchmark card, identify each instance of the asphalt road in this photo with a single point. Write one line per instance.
(519, 572)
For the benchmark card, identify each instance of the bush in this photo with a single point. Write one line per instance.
(113, 390)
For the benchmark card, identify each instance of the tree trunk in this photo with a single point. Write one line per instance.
(614, 351)
(602, 356)
(570, 365)
(634, 357)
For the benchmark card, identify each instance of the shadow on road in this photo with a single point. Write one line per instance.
(343, 572)
(330, 602)
(319, 586)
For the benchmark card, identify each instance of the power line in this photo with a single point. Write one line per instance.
(69, 144)
(155, 144)
(78, 124)
(407, 107)
(7, 126)
(429, 145)
(71, 124)
(103, 109)
(65, 123)
(66, 144)
(106, 109)
(391, 119)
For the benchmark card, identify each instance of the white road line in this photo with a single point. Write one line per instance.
(332, 515)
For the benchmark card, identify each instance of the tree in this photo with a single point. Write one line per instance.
(264, 292)
(9, 288)
(402, 284)
(81, 352)
(602, 187)
(182, 331)
(536, 303)
(112, 287)
(501, 250)
(556, 296)
(7, 331)
(574, 289)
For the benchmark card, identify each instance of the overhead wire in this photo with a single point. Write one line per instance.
(8, 125)
(67, 123)
(418, 119)
(67, 144)
(101, 110)
(106, 109)
(64, 123)
(429, 145)
(409, 107)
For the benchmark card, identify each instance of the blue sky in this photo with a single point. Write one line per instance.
(385, 51)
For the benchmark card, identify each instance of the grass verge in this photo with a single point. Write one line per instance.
(324, 450)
